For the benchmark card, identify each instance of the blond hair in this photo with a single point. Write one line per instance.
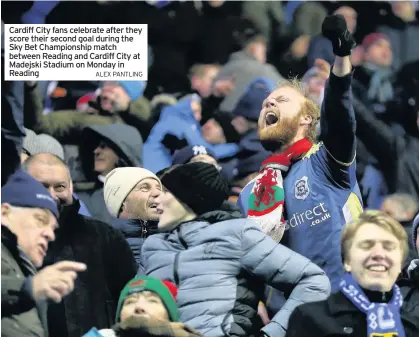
(379, 219)
(309, 107)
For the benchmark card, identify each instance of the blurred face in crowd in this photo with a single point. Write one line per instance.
(350, 15)
(34, 228)
(202, 83)
(374, 258)
(105, 159)
(172, 211)
(404, 10)
(258, 50)
(379, 53)
(55, 177)
(113, 97)
(283, 119)
(213, 132)
(316, 85)
(196, 109)
(144, 304)
(142, 202)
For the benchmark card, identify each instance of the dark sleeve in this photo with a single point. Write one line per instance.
(122, 263)
(337, 120)
(16, 295)
(299, 325)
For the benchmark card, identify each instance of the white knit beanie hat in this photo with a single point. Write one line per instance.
(120, 182)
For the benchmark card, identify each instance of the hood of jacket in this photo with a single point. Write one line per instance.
(125, 140)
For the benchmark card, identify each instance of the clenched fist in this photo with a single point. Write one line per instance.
(56, 281)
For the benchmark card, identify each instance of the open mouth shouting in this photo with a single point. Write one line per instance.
(271, 118)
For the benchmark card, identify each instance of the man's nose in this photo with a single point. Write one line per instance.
(155, 192)
(51, 191)
(139, 306)
(270, 103)
(378, 252)
(49, 234)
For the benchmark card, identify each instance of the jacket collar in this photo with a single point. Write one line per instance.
(69, 212)
(8, 238)
(338, 304)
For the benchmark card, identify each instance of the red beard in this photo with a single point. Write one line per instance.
(282, 134)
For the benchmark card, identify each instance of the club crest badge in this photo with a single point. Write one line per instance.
(301, 188)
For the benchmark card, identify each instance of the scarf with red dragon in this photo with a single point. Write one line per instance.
(267, 200)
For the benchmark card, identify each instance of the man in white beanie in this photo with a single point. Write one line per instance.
(131, 195)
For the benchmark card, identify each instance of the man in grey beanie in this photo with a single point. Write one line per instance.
(42, 143)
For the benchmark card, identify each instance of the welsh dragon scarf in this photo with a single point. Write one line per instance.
(383, 319)
(266, 202)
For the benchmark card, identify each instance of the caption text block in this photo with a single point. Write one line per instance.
(75, 52)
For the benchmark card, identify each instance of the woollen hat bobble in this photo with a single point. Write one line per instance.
(198, 185)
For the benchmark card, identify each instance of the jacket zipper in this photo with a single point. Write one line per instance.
(175, 270)
(143, 231)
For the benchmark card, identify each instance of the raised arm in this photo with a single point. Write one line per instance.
(337, 119)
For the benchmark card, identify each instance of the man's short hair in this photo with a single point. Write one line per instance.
(45, 158)
(379, 219)
(310, 107)
(200, 69)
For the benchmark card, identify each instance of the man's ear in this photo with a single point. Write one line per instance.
(306, 120)
(5, 209)
(347, 266)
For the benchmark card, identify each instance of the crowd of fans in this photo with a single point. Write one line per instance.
(264, 180)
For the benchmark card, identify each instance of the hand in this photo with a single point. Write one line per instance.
(114, 99)
(223, 87)
(299, 47)
(263, 314)
(335, 29)
(56, 281)
(324, 68)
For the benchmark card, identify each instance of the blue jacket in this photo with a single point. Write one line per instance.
(135, 232)
(178, 120)
(220, 264)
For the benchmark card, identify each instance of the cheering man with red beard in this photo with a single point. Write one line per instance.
(308, 189)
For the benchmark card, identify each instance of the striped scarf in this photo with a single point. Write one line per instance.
(266, 202)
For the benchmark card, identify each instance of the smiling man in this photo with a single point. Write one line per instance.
(131, 195)
(368, 302)
(313, 184)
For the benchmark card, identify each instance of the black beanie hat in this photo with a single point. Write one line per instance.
(198, 185)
